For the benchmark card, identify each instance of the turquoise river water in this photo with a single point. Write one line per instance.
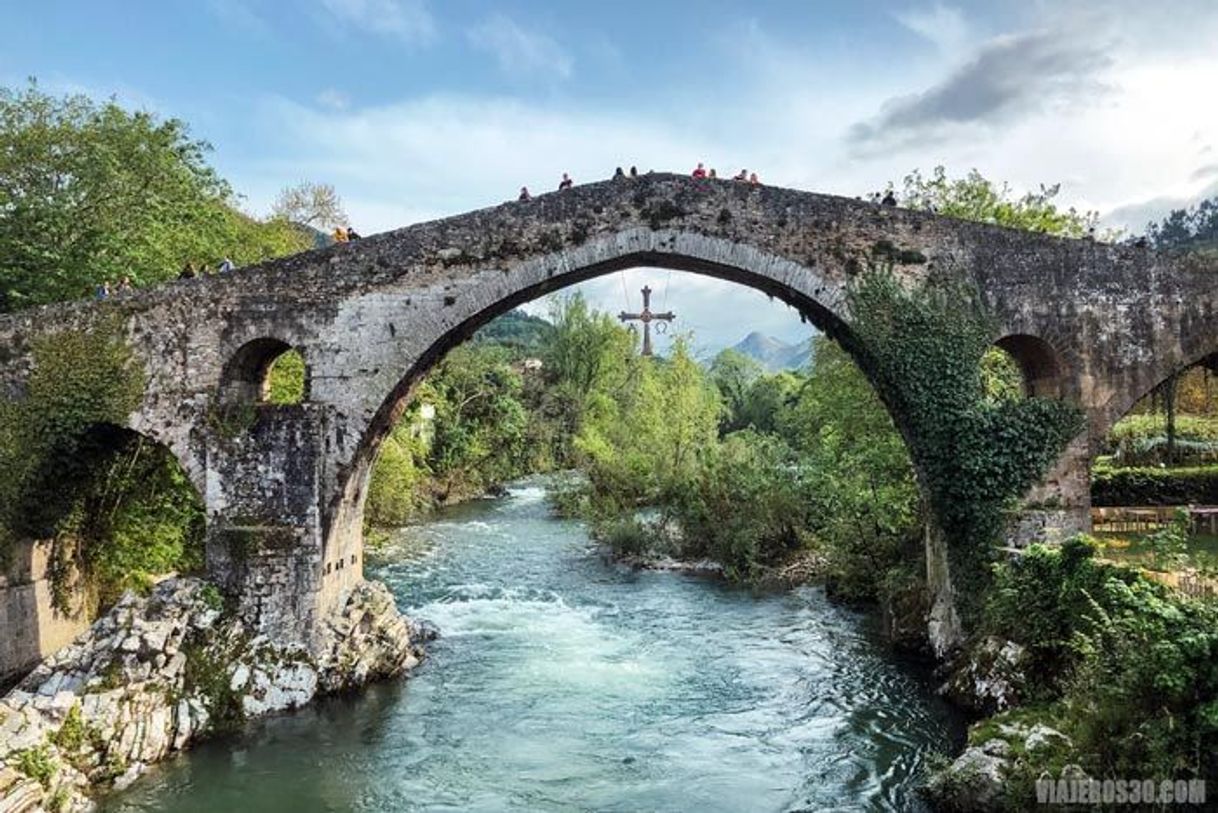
(563, 682)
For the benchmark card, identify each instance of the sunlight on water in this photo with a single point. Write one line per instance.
(562, 682)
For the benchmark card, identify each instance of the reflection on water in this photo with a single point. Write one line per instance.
(564, 683)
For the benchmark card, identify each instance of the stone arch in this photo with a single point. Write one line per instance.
(817, 294)
(1037, 360)
(29, 587)
(245, 376)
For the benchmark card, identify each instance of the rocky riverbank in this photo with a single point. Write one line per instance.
(157, 673)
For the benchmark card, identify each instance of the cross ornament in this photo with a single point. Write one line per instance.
(647, 317)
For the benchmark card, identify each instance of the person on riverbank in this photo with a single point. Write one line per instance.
(742, 175)
(754, 180)
(188, 271)
(352, 234)
(340, 234)
(699, 172)
(712, 175)
(524, 194)
(634, 173)
(102, 291)
(226, 266)
(618, 175)
(566, 183)
(890, 199)
(125, 286)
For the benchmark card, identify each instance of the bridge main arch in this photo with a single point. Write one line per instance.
(817, 293)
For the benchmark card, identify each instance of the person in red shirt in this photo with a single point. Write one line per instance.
(699, 172)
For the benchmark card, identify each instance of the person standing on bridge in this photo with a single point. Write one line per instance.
(566, 183)
(699, 172)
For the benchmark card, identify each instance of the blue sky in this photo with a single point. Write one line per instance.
(416, 109)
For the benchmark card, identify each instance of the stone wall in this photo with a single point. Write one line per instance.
(32, 628)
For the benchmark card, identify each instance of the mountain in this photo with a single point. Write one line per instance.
(775, 354)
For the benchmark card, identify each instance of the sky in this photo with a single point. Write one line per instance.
(418, 109)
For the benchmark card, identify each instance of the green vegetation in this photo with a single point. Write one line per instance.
(117, 506)
(976, 455)
(1121, 665)
(92, 193)
(1194, 229)
(973, 197)
(37, 763)
(286, 379)
(1154, 486)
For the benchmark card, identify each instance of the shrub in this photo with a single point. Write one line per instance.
(1154, 486)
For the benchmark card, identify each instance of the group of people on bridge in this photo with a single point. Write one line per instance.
(620, 175)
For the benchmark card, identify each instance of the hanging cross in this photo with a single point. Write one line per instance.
(647, 317)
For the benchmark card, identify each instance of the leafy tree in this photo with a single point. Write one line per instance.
(93, 193)
(859, 481)
(310, 204)
(734, 373)
(1193, 228)
(973, 197)
(767, 398)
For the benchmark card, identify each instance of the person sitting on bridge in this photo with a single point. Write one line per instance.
(890, 199)
(226, 265)
(618, 175)
(699, 171)
(742, 175)
(565, 183)
(340, 234)
(524, 194)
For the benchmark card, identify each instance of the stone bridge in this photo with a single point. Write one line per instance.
(1097, 324)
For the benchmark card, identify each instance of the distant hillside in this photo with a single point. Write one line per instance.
(775, 354)
(518, 330)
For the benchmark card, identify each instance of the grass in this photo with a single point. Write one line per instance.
(1133, 549)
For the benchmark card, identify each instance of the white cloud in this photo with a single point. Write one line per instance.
(409, 20)
(333, 99)
(943, 26)
(518, 50)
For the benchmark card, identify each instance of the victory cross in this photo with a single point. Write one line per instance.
(647, 317)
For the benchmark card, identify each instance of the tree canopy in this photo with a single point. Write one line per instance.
(1187, 228)
(974, 197)
(92, 193)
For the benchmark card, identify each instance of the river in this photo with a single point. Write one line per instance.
(562, 682)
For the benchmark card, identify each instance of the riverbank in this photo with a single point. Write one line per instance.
(156, 674)
(563, 683)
